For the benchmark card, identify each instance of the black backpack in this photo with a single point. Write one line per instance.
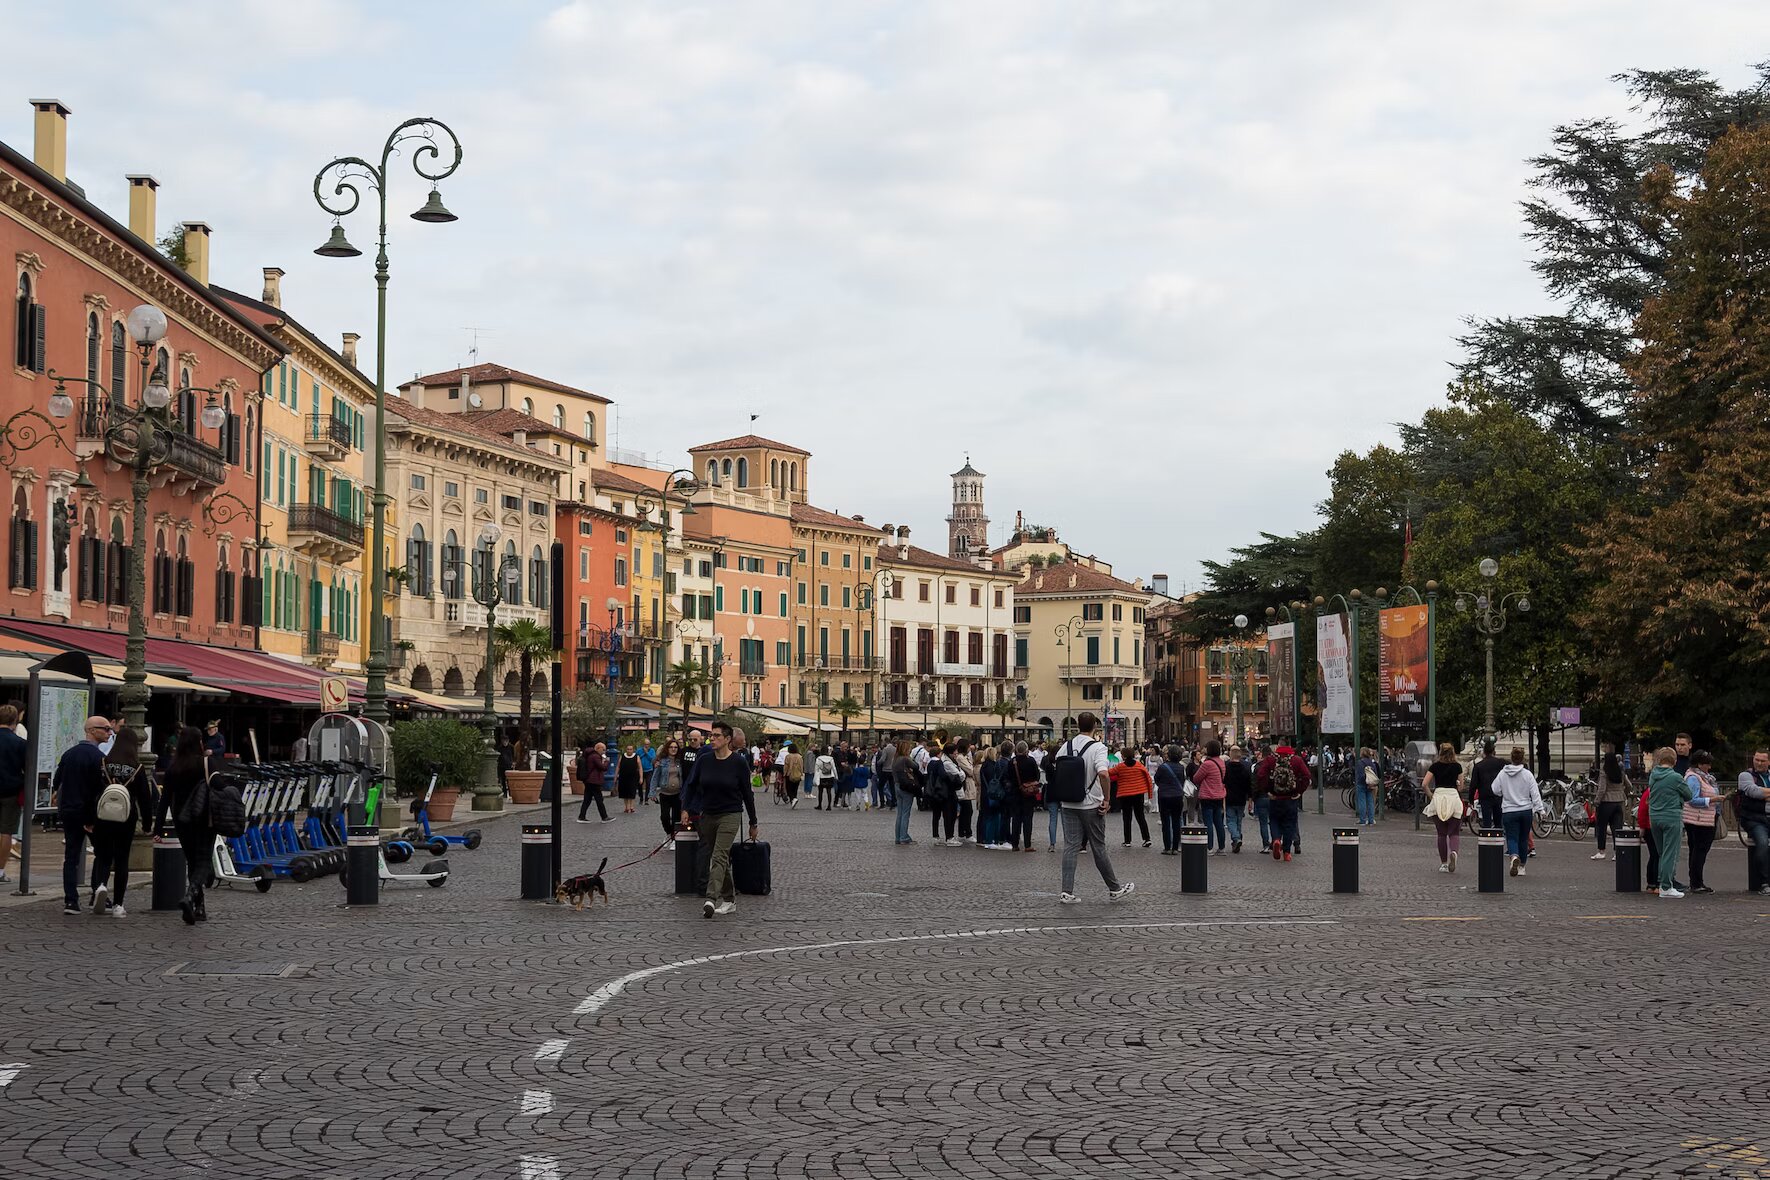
(1068, 776)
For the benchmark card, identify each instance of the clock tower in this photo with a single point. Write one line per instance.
(967, 529)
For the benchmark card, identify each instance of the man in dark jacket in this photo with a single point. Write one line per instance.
(1481, 780)
(79, 781)
(592, 770)
(14, 755)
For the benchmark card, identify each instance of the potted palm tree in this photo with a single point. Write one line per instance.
(846, 708)
(684, 680)
(1007, 709)
(528, 641)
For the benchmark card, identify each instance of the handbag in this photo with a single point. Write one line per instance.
(196, 806)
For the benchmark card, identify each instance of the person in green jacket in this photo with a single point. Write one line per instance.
(1667, 792)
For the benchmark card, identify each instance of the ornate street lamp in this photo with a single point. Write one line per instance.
(682, 485)
(488, 590)
(1064, 633)
(345, 196)
(1490, 620)
(1240, 659)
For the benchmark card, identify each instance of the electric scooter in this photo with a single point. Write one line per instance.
(434, 874)
(438, 841)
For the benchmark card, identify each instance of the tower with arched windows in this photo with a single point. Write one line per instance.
(967, 528)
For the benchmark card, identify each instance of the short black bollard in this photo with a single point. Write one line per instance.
(362, 860)
(537, 862)
(169, 881)
(1491, 860)
(1194, 857)
(1345, 860)
(1628, 860)
(688, 852)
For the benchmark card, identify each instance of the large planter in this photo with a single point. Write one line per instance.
(442, 804)
(525, 785)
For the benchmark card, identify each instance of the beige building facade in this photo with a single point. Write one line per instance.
(1079, 635)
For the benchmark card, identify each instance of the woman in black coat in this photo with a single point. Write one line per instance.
(185, 802)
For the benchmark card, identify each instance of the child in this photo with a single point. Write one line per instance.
(862, 789)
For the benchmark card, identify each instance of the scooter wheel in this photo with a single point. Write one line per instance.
(437, 846)
(264, 881)
(438, 882)
(398, 853)
(301, 870)
(473, 838)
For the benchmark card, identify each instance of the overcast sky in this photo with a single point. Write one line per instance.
(1152, 263)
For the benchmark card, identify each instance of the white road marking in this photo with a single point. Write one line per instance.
(537, 1102)
(539, 1167)
(551, 1050)
(9, 1071)
(604, 995)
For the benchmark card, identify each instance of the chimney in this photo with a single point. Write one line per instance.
(1159, 583)
(521, 436)
(349, 353)
(273, 286)
(196, 250)
(50, 151)
(142, 194)
(903, 542)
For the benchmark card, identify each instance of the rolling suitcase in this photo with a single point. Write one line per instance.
(751, 870)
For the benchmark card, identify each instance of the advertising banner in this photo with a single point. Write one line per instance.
(1281, 679)
(1333, 674)
(1403, 658)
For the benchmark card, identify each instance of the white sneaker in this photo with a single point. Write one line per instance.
(1523, 872)
(118, 911)
(1596, 856)
(586, 821)
(955, 842)
(1670, 893)
(794, 803)
(1444, 867)
(101, 899)
(1123, 891)
(1517, 866)
(726, 907)
(1068, 898)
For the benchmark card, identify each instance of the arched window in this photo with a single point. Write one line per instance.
(90, 580)
(23, 574)
(94, 344)
(162, 588)
(421, 678)
(589, 426)
(249, 447)
(528, 406)
(774, 473)
(512, 589)
(792, 477)
(187, 402)
(119, 361)
(418, 563)
(116, 568)
(538, 582)
(512, 683)
(453, 576)
(453, 682)
(224, 587)
(23, 340)
(725, 469)
(743, 472)
(559, 417)
(712, 471)
(184, 581)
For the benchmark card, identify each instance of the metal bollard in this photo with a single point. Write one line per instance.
(1345, 860)
(363, 862)
(537, 862)
(688, 851)
(1194, 857)
(169, 881)
(1491, 860)
(1628, 860)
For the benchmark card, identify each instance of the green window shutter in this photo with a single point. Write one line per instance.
(719, 598)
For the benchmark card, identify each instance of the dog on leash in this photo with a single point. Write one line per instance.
(585, 886)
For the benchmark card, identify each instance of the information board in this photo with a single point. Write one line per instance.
(59, 725)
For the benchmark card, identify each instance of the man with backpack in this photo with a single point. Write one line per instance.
(79, 780)
(1286, 777)
(1078, 785)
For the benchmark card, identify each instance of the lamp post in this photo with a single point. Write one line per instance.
(488, 591)
(1490, 620)
(925, 684)
(351, 171)
(1240, 659)
(1064, 633)
(863, 602)
(682, 483)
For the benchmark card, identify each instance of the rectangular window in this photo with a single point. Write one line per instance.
(1118, 612)
(282, 473)
(847, 597)
(824, 557)
(801, 593)
(1023, 614)
(783, 604)
(417, 483)
(848, 561)
(583, 565)
(511, 503)
(1115, 649)
(974, 647)
(620, 571)
(583, 528)
(801, 554)
(719, 598)
(1093, 649)
(782, 569)
(1020, 653)
(1093, 692)
(706, 611)
(949, 647)
(1092, 612)
(537, 508)
(998, 598)
(866, 563)
(783, 652)
(922, 594)
(481, 496)
(451, 489)
(952, 594)
(744, 601)
(823, 594)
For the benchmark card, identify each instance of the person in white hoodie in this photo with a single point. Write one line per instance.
(1520, 800)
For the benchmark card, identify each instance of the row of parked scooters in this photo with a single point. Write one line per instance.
(295, 825)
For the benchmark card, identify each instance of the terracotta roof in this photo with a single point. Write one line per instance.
(506, 421)
(1057, 581)
(812, 514)
(745, 441)
(490, 374)
(613, 481)
(399, 407)
(923, 557)
(277, 314)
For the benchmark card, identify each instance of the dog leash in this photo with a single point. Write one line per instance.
(642, 859)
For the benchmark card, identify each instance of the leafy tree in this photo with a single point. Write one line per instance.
(172, 246)
(1364, 521)
(455, 749)
(528, 641)
(589, 715)
(1680, 612)
(1272, 570)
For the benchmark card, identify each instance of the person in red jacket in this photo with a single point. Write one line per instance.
(1131, 787)
(1286, 777)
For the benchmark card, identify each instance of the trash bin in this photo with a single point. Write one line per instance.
(1345, 860)
(1628, 860)
(169, 880)
(1491, 860)
(537, 862)
(688, 849)
(1194, 859)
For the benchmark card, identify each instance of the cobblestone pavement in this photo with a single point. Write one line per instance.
(913, 1012)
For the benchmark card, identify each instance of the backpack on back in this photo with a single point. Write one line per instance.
(1069, 774)
(1284, 778)
(114, 804)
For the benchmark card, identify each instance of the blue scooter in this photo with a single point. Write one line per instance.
(421, 813)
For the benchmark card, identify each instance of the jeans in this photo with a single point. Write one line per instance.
(947, 812)
(1668, 834)
(964, 819)
(879, 790)
(717, 834)
(1133, 805)
(1366, 799)
(1234, 813)
(110, 856)
(906, 807)
(1053, 810)
(1211, 811)
(670, 812)
(592, 794)
(1263, 813)
(75, 835)
(1609, 820)
(1173, 812)
(1757, 830)
(1491, 817)
(1702, 838)
(1284, 823)
(1517, 825)
(1450, 832)
(1085, 824)
(1020, 832)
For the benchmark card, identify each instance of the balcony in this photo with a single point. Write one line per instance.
(321, 647)
(396, 659)
(1100, 673)
(317, 530)
(835, 663)
(328, 437)
(190, 464)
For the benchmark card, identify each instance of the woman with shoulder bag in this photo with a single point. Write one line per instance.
(1699, 816)
(186, 800)
(112, 838)
(1613, 795)
(666, 785)
(1208, 777)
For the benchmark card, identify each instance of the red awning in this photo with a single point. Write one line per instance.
(251, 673)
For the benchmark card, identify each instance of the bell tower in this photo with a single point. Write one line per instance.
(967, 528)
